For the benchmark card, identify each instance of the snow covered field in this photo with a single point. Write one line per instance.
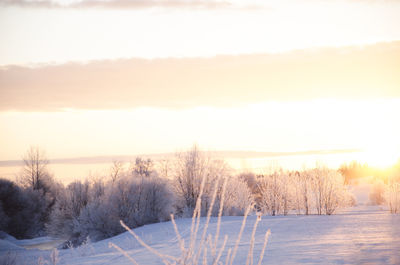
(358, 235)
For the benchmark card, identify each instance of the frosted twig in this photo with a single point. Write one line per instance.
(249, 259)
(123, 252)
(264, 246)
(152, 250)
(178, 235)
(228, 256)
(195, 221)
(220, 251)
(221, 208)
(203, 236)
(240, 233)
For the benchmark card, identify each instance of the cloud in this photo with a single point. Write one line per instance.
(120, 4)
(188, 4)
(349, 73)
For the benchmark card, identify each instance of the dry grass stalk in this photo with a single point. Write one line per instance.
(195, 253)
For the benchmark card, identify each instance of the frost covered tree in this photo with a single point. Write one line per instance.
(39, 185)
(250, 179)
(136, 201)
(392, 193)
(116, 170)
(164, 168)
(68, 207)
(377, 194)
(302, 199)
(304, 184)
(238, 197)
(322, 188)
(328, 189)
(34, 173)
(142, 167)
(275, 193)
(189, 170)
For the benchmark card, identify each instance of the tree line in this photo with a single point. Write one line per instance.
(148, 192)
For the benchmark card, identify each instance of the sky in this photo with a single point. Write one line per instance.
(121, 77)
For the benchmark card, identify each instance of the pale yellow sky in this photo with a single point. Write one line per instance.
(153, 29)
(126, 77)
(369, 125)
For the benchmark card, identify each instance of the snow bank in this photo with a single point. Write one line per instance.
(360, 235)
(6, 245)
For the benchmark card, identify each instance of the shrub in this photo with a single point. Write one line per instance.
(67, 209)
(20, 210)
(136, 201)
(202, 246)
(392, 193)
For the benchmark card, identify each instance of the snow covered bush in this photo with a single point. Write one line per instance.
(204, 247)
(238, 197)
(321, 188)
(135, 200)
(392, 193)
(302, 201)
(328, 189)
(67, 209)
(142, 168)
(21, 210)
(275, 192)
(376, 196)
(191, 168)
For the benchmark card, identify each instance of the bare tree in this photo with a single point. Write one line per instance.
(116, 170)
(164, 168)
(305, 180)
(34, 172)
(271, 191)
(142, 167)
(190, 169)
(238, 197)
(329, 190)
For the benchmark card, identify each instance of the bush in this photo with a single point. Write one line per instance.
(94, 210)
(329, 190)
(191, 168)
(321, 188)
(20, 210)
(275, 193)
(392, 193)
(238, 197)
(68, 207)
(202, 246)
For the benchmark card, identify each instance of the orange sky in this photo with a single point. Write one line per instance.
(126, 77)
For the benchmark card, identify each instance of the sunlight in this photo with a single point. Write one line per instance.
(382, 157)
(126, 115)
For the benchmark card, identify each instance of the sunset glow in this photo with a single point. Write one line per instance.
(107, 78)
(194, 132)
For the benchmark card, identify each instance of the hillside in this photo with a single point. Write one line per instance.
(358, 235)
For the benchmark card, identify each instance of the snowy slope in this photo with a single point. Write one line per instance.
(358, 235)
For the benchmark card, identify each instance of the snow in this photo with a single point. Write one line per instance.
(358, 235)
(6, 245)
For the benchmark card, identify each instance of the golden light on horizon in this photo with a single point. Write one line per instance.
(382, 157)
(276, 76)
(137, 112)
(369, 126)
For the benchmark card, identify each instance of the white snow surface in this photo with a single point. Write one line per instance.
(358, 235)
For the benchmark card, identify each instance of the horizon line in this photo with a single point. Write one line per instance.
(225, 154)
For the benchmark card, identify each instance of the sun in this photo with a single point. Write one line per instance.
(381, 157)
